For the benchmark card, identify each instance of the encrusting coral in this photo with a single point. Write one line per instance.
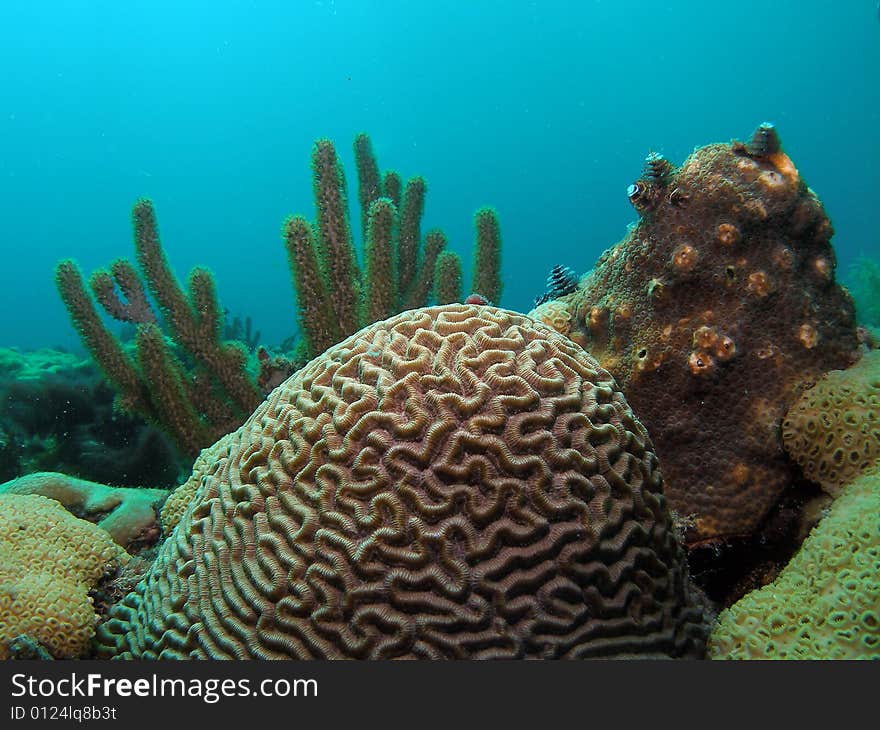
(833, 431)
(49, 561)
(129, 515)
(712, 313)
(455, 481)
(335, 298)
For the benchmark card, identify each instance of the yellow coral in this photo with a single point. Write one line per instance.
(826, 602)
(833, 431)
(49, 560)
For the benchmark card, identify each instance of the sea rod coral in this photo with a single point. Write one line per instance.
(185, 379)
(455, 481)
(713, 313)
(335, 297)
(193, 405)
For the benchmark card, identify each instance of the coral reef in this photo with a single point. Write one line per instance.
(129, 516)
(833, 430)
(826, 602)
(185, 379)
(194, 404)
(335, 298)
(712, 313)
(49, 561)
(241, 330)
(56, 414)
(455, 481)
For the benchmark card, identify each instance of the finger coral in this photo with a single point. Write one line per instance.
(49, 561)
(833, 431)
(826, 602)
(712, 313)
(454, 482)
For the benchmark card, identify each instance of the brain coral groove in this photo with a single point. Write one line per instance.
(453, 482)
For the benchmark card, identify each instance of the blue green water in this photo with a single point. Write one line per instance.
(544, 110)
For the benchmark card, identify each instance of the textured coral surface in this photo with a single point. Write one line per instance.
(826, 602)
(711, 313)
(455, 481)
(128, 514)
(833, 431)
(49, 560)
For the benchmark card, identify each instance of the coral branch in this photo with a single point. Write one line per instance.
(391, 187)
(418, 295)
(369, 183)
(408, 245)
(119, 369)
(380, 294)
(399, 268)
(487, 256)
(447, 277)
(334, 236)
(318, 325)
(194, 405)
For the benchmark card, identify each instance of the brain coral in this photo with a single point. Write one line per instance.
(826, 602)
(833, 431)
(455, 481)
(49, 560)
(711, 313)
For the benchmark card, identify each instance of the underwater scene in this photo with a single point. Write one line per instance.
(353, 329)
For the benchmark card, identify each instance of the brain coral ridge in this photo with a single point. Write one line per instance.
(712, 313)
(455, 481)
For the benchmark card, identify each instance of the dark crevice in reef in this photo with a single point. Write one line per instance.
(726, 569)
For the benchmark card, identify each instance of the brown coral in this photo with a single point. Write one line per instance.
(833, 431)
(728, 298)
(455, 481)
(49, 560)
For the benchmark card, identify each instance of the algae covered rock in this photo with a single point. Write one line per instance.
(712, 313)
(455, 481)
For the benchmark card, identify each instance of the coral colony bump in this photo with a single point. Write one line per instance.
(674, 455)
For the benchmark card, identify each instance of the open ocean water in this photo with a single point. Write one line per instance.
(544, 110)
